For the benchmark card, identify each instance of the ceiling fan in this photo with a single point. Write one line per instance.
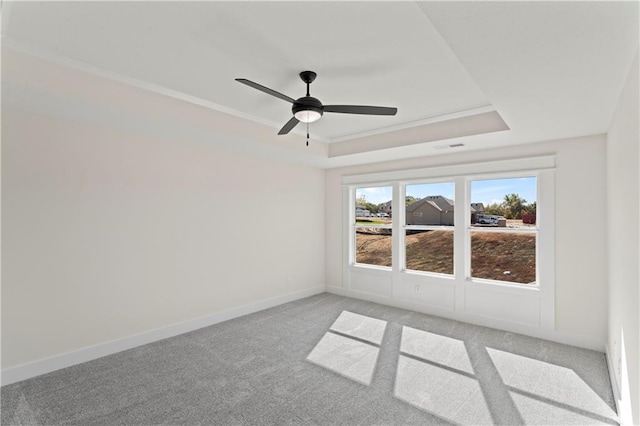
(309, 109)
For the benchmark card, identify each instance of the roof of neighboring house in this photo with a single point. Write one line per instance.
(431, 202)
(442, 204)
(477, 207)
(438, 201)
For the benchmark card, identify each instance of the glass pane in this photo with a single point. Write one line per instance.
(504, 202)
(373, 246)
(430, 204)
(373, 205)
(430, 251)
(504, 256)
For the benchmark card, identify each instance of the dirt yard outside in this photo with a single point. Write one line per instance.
(499, 256)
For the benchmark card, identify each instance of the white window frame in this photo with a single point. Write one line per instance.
(353, 226)
(458, 296)
(529, 230)
(405, 227)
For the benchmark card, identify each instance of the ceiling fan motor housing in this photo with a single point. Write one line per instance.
(307, 103)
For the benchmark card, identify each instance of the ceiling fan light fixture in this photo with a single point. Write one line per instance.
(308, 115)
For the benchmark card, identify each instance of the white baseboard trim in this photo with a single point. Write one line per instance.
(48, 365)
(624, 409)
(612, 378)
(573, 339)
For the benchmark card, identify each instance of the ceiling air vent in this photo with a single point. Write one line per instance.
(453, 145)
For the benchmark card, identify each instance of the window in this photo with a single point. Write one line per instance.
(475, 240)
(372, 224)
(503, 231)
(500, 221)
(429, 227)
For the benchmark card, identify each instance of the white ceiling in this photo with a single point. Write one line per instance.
(511, 72)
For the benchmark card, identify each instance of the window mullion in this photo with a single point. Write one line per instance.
(461, 246)
(398, 213)
(462, 212)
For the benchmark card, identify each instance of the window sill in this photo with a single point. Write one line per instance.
(366, 267)
(502, 285)
(426, 274)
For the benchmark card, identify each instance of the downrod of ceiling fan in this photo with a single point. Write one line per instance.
(308, 77)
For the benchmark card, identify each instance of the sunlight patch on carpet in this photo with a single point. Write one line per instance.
(360, 326)
(542, 390)
(350, 347)
(448, 394)
(436, 348)
(435, 374)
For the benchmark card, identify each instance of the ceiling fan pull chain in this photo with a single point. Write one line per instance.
(307, 134)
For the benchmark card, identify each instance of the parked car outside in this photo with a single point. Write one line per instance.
(488, 220)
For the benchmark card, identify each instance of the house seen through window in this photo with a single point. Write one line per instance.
(373, 223)
(429, 227)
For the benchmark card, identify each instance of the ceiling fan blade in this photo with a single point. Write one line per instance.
(265, 89)
(290, 125)
(361, 109)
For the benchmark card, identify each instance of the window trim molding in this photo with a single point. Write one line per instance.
(399, 281)
(468, 170)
